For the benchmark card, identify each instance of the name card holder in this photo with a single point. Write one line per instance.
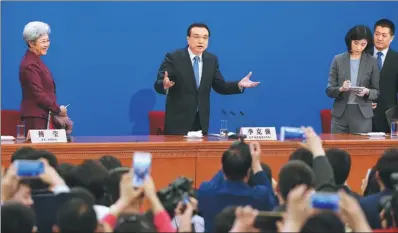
(47, 136)
(259, 133)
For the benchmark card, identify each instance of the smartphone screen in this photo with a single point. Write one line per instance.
(29, 168)
(368, 173)
(326, 201)
(142, 162)
(185, 199)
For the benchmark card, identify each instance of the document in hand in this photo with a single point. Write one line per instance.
(356, 89)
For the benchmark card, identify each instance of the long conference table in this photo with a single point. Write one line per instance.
(199, 160)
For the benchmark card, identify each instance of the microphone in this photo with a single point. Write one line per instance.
(242, 114)
(239, 125)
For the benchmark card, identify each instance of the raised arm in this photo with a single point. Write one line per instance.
(166, 70)
(223, 87)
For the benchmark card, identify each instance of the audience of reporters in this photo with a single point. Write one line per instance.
(99, 196)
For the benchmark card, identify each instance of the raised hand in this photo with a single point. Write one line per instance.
(362, 93)
(63, 112)
(246, 82)
(166, 81)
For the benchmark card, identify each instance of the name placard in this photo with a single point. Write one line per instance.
(259, 133)
(47, 136)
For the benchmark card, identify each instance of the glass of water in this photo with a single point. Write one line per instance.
(21, 132)
(394, 128)
(224, 130)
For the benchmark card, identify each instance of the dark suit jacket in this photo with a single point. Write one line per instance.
(218, 193)
(368, 76)
(388, 91)
(184, 99)
(371, 207)
(38, 87)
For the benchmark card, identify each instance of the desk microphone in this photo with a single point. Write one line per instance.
(239, 125)
(242, 114)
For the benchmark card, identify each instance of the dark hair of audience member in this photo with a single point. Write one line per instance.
(22, 153)
(66, 171)
(236, 164)
(360, 32)
(16, 218)
(294, 173)
(372, 187)
(134, 223)
(340, 160)
(386, 165)
(240, 146)
(75, 215)
(325, 221)
(302, 154)
(224, 220)
(92, 176)
(110, 162)
(266, 169)
(43, 154)
(82, 193)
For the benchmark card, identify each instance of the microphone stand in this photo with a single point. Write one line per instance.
(242, 114)
(239, 125)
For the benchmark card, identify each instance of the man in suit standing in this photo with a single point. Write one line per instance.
(387, 61)
(186, 76)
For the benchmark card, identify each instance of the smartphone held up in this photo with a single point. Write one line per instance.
(142, 162)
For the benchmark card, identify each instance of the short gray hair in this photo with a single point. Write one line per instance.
(34, 30)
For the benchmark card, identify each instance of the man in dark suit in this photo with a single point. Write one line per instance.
(387, 60)
(186, 76)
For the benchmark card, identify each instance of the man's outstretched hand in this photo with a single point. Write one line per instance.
(246, 82)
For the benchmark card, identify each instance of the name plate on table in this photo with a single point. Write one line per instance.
(47, 136)
(259, 133)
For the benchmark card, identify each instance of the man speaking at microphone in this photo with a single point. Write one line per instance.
(186, 76)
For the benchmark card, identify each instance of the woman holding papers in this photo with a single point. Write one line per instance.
(354, 83)
(38, 87)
